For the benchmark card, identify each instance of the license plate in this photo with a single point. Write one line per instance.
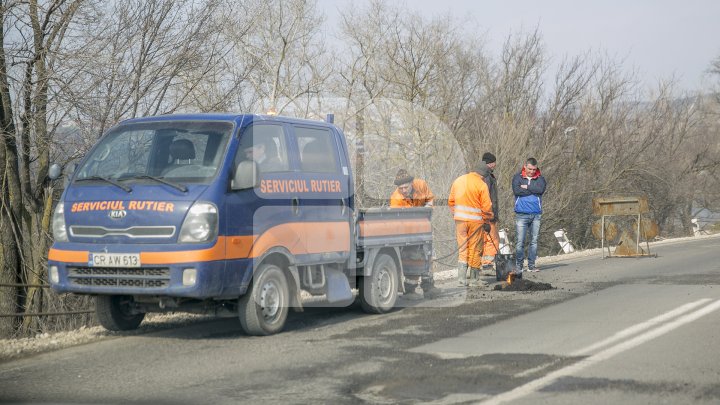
(114, 260)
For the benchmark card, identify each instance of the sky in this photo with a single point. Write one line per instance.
(656, 39)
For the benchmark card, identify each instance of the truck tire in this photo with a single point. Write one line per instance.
(379, 291)
(264, 309)
(114, 312)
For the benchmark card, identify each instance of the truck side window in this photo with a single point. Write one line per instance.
(265, 144)
(317, 150)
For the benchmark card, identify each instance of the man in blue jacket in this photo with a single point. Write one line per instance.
(528, 186)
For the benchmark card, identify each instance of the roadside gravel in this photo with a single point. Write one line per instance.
(43, 342)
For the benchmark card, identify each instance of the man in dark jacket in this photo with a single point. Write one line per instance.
(492, 238)
(528, 186)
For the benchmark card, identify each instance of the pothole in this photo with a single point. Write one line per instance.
(523, 285)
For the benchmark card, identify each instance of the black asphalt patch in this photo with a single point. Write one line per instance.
(523, 285)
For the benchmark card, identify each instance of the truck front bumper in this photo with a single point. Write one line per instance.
(180, 274)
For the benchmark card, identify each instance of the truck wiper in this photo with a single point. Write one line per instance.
(107, 180)
(163, 181)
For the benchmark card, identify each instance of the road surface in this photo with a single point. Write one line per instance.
(634, 331)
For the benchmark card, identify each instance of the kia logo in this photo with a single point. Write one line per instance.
(117, 214)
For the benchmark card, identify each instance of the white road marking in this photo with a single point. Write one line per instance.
(548, 379)
(625, 333)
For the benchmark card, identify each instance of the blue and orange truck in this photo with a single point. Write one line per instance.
(228, 214)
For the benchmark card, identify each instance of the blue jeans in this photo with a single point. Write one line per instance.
(523, 222)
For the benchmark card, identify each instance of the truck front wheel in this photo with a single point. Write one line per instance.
(115, 312)
(264, 309)
(379, 291)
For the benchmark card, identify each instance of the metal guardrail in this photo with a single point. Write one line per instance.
(25, 285)
(88, 311)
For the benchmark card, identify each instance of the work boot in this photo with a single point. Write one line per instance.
(462, 274)
(429, 289)
(488, 270)
(431, 292)
(410, 293)
(412, 296)
(476, 280)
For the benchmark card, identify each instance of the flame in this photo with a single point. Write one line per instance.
(511, 277)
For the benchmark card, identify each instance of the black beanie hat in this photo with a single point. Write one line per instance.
(403, 177)
(488, 157)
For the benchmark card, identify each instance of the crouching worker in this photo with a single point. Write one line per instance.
(470, 203)
(412, 192)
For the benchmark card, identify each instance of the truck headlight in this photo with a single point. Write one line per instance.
(201, 223)
(58, 223)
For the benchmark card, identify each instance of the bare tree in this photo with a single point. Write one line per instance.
(281, 54)
(146, 58)
(38, 31)
(409, 82)
(70, 67)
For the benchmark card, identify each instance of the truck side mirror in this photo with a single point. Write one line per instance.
(54, 171)
(246, 176)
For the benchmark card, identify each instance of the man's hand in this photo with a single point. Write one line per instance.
(486, 227)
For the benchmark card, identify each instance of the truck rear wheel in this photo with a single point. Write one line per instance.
(263, 310)
(115, 312)
(379, 291)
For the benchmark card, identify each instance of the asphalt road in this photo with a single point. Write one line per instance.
(643, 331)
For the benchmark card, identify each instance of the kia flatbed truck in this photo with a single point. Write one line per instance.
(228, 215)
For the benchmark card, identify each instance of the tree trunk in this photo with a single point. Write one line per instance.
(10, 198)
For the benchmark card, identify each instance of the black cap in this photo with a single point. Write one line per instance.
(402, 177)
(488, 157)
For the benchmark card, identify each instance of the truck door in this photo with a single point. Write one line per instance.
(325, 201)
(263, 218)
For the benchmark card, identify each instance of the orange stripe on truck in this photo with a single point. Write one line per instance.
(217, 252)
(394, 227)
(298, 238)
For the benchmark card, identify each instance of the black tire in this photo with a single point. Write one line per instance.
(379, 291)
(115, 312)
(263, 310)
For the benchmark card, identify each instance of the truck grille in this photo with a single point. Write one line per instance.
(143, 277)
(87, 231)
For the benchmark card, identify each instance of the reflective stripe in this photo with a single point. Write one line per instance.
(466, 208)
(468, 216)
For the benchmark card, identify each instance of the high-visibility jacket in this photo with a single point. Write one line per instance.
(469, 199)
(421, 196)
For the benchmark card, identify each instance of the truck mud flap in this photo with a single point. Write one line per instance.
(338, 287)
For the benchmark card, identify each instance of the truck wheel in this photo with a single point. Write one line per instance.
(115, 312)
(379, 291)
(264, 309)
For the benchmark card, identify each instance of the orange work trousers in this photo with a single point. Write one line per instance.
(470, 240)
(492, 242)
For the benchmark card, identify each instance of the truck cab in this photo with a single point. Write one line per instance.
(225, 214)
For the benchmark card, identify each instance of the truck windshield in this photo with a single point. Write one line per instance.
(175, 151)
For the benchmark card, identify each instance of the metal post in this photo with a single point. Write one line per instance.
(602, 237)
(637, 244)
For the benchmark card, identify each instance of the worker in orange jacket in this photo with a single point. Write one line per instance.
(410, 192)
(470, 203)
